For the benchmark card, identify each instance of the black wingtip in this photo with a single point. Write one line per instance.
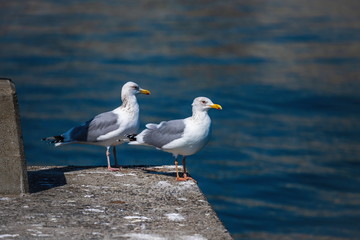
(131, 137)
(54, 139)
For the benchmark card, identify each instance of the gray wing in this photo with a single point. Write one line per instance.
(165, 133)
(101, 125)
(89, 131)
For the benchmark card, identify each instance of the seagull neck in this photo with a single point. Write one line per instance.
(130, 103)
(199, 115)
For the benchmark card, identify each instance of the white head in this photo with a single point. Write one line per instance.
(132, 89)
(204, 104)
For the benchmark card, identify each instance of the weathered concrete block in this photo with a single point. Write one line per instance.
(137, 202)
(13, 173)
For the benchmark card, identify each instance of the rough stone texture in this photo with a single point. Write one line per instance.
(93, 203)
(13, 177)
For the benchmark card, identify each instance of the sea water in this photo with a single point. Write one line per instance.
(283, 161)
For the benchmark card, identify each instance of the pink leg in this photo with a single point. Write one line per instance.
(176, 167)
(108, 160)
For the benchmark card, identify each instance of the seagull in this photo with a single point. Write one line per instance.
(180, 137)
(109, 128)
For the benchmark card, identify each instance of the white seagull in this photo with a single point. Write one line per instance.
(109, 128)
(180, 137)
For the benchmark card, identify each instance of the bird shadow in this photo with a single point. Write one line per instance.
(48, 178)
(169, 174)
(164, 171)
(153, 169)
(42, 179)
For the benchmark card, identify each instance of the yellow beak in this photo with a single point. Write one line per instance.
(144, 91)
(216, 106)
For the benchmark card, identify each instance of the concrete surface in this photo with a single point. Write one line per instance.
(93, 203)
(13, 177)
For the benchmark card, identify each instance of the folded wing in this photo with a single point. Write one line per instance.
(163, 133)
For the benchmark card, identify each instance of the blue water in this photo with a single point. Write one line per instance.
(283, 162)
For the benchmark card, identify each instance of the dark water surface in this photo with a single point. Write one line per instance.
(283, 162)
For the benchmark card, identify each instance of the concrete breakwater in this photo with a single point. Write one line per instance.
(93, 203)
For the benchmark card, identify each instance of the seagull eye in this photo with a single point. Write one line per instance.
(203, 101)
(135, 87)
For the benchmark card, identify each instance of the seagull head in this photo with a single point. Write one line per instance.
(131, 88)
(204, 104)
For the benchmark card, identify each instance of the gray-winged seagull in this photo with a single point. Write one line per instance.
(109, 128)
(180, 137)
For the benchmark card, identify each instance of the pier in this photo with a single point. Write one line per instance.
(94, 203)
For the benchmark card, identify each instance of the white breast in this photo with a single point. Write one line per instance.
(195, 137)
